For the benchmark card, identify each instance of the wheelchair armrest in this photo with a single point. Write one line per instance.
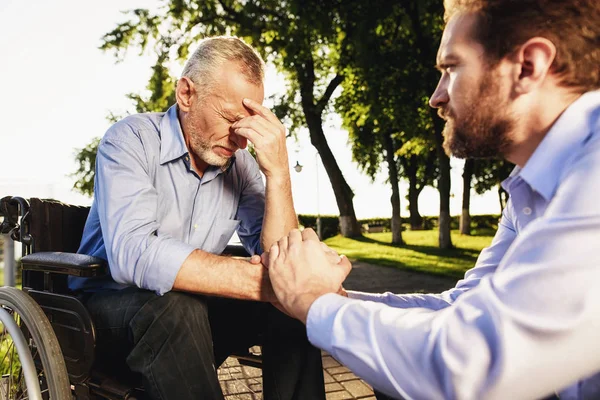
(65, 263)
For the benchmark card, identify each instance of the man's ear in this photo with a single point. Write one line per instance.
(184, 93)
(533, 61)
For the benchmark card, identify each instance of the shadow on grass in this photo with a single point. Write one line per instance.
(455, 252)
(450, 274)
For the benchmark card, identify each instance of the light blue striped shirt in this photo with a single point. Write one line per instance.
(525, 321)
(151, 209)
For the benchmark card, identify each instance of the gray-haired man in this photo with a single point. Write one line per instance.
(171, 188)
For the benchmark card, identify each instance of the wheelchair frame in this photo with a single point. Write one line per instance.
(45, 275)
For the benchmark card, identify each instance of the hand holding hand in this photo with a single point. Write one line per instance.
(267, 134)
(332, 255)
(301, 271)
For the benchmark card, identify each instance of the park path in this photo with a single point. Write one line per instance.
(244, 383)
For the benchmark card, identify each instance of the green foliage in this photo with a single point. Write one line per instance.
(386, 88)
(485, 224)
(386, 223)
(419, 253)
(489, 173)
(161, 87)
(10, 365)
(330, 224)
(86, 160)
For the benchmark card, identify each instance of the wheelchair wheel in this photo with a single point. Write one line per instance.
(49, 365)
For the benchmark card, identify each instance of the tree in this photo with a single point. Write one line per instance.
(372, 140)
(465, 216)
(426, 21)
(419, 166)
(302, 39)
(489, 174)
(385, 95)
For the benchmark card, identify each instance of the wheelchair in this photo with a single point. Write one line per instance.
(47, 343)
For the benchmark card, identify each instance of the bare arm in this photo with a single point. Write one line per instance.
(214, 275)
(267, 134)
(280, 216)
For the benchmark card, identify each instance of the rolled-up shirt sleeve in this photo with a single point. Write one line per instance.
(486, 264)
(127, 207)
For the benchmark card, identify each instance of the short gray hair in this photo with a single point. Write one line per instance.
(213, 52)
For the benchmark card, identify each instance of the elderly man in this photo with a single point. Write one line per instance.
(520, 80)
(171, 188)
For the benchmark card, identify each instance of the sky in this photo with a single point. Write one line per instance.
(58, 89)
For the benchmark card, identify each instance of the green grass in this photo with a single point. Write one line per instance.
(419, 253)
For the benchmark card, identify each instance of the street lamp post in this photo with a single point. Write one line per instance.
(319, 227)
(298, 168)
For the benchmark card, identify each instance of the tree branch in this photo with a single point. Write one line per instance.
(333, 84)
(228, 9)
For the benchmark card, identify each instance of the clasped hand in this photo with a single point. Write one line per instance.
(302, 269)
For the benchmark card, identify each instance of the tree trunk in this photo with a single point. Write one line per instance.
(427, 56)
(465, 218)
(445, 241)
(416, 220)
(393, 173)
(313, 112)
(349, 226)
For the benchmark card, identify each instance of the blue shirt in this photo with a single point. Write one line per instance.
(151, 209)
(525, 321)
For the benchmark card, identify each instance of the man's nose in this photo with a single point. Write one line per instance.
(439, 96)
(240, 141)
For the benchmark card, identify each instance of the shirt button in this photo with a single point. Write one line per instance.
(527, 211)
(195, 226)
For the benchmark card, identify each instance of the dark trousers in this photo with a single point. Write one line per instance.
(177, 341)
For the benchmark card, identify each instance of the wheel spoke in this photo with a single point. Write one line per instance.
(13, 385)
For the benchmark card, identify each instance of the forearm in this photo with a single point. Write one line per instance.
(280, 215)
(214, 275)
(431, 301)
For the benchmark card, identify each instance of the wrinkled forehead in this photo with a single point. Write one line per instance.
(232, 87)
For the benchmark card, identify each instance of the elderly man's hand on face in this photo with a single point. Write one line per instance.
(267, 134)
(302, 269)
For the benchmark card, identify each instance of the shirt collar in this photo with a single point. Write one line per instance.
(172, 143)
(544, 168)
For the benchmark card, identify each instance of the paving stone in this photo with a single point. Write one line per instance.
(340, 395)
(333, 387)
(337, 370)
(235, 387)
(329, 362)
(357, 388)
(244, 396)
(256, 387)
(348, 376)
(327, 377)
(252, 372)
